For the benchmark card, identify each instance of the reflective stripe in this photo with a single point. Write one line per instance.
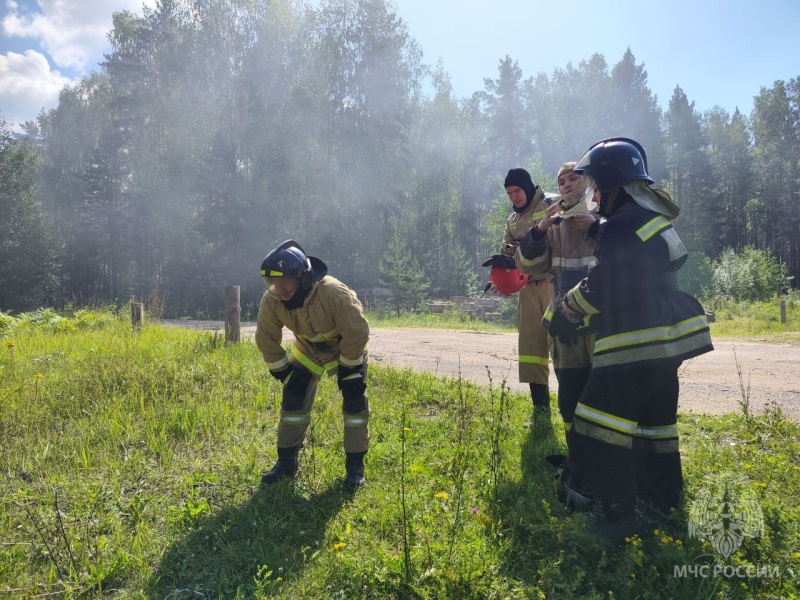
(356, 362)
(353, 376)
(574, 263)
(355, 421)
(606, 419)
(683, 348)
(652, 227)
(656, 432)
(295, 418)
(530, 262)
(538, 215)
(583, 305)
(529, 359)
(277, 366)
(654, 334)
(308, 363)
(602, 434)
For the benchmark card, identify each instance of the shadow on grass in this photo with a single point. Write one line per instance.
(539, 529)
(229, 554)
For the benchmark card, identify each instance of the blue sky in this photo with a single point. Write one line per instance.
(719, 53)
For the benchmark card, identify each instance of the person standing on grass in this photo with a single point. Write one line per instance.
(331, 335)
(529, 204)
(623, 444)
(564, 243)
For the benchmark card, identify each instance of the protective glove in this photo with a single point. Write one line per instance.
(503, 261)
(283, 373)
(561, 327)
(351, 378)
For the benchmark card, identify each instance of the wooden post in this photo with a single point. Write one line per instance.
(137, 313)
(783, 312)
(233, 313)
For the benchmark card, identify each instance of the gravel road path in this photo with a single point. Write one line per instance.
(714, 383)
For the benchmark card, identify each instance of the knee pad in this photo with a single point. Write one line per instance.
(295, 389)
(354, 401)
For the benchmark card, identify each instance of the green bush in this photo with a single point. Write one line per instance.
(696, 275)
(754, 274)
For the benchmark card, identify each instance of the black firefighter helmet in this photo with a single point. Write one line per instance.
(289, 259)
(614, 162)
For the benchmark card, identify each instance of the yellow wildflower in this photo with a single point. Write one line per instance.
(339, 546)
(10, 344)
(760, 484)
(39, 376)
(442, 496)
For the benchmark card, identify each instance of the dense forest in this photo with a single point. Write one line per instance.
(215, 129)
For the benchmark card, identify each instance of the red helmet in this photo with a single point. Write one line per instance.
(508, 281)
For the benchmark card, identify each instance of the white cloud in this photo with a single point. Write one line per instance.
(27, 85)
(63, 35)
(73, 34)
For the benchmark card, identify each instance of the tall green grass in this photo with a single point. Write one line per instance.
(131, 462)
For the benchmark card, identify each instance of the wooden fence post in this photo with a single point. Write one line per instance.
(233, 313)
(137, 313)
(783, 312)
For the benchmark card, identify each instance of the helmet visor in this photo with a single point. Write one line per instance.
(281, 287)
(588, 195)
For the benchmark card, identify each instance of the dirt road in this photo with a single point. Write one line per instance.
(715, 383)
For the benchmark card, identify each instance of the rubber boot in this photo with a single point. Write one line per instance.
(284, 469)
(354, 465)
(540, 394)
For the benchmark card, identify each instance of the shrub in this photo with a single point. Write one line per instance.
(754, 274)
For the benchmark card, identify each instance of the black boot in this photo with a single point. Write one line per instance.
(354, 465)
(540, 394)
(284, 469)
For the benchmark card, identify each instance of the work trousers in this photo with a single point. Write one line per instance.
(571, 363)
(624, 438)
(299, 392)
(533, 338)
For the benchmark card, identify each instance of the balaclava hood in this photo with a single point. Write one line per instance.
(522, 179)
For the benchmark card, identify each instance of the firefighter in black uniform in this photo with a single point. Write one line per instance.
(624, 437)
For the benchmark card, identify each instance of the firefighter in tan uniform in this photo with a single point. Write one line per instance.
(331, 336)
(564, 243)
(529, 204)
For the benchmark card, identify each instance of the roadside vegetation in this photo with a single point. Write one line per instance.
(131, 461)
(732, 318)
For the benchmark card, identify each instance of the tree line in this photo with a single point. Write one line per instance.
(215, 129)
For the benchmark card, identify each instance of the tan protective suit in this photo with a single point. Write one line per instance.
(534, 298)
(330, 329)
(567, 252)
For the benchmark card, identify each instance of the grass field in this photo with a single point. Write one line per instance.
(131, 462)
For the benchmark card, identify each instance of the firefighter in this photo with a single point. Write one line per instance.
(529, 204)
(564, 243)
(624, 438)
(331, 336)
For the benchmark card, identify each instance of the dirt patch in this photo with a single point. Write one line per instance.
(765, 373)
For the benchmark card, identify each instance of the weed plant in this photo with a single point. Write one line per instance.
(131, 459)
